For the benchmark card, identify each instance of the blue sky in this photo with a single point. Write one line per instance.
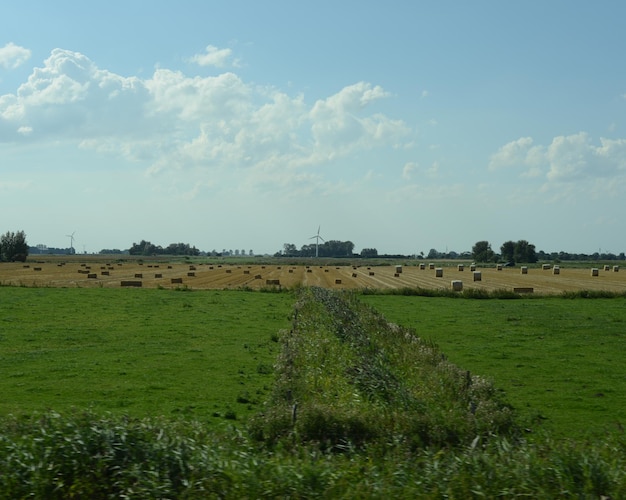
(399, 125)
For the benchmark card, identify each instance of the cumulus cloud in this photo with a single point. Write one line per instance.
(213, 56)
(566, 159)
(12, 56)
(203, 124)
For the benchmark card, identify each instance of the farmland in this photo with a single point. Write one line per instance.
(125, 387)
(78, 271)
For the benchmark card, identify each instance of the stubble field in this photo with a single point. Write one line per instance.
(80, 272)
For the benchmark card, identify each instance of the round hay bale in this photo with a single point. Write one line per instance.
(439, 272)
(431, 266)
(477, 276)
(615, 269)
(524, 269)
(472, 267)
(498, 267)
(594, 271)
(460, 267)
(556, 270)
(457, 285)
(422, 266)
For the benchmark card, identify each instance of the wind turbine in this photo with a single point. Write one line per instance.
(71, 237)
(317, 239)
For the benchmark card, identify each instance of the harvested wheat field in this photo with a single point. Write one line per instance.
(89, 272)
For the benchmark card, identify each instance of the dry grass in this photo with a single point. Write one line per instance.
(75, 271)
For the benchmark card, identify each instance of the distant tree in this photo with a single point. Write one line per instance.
(368, 253)
(507, 251)
(13, 246)
(143, 248)
(433, 254)
(482, 252)
(289, 250)
(525, 252)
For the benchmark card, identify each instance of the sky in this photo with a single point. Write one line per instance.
(398, 125)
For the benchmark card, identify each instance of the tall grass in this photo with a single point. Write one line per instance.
(345, 375)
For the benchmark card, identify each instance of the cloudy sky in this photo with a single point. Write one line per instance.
(398, 125)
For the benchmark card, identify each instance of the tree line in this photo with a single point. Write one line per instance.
(330, 248)
(146, 248)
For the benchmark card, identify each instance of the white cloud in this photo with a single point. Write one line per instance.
(409, 169)
(567, 159)
(13, 56)
(208, 126)
(213, 57)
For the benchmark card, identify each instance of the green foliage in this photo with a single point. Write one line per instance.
(13, 246)
(345, 375)
(482, 252)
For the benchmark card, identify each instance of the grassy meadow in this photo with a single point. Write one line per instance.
(206, 355)
(309, 393)
(559, 361)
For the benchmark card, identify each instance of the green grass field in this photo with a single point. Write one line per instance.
(559, 361)
(129, 393)
(205, 355)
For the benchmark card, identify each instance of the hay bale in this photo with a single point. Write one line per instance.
(524, 269)
(457, 285)
(272, 282)
(556, 270)
(523, 289)
(398, 269)
(545, 266)
(290, 271)
(131, 283)
(354, 275)
(169, 267)
(460, 267)
(422, 266)
(175, 281)
(337, 282)
(472, 267)
(439, 272)
(615, 269)
(246, 271)
(191, 274)
(192, 268)
(257, 277)
(371, 273)
(36, 268)
(92, 276)
(607, 268)
(478, 276)
(229, 271)
(498, 267)
(595, 271)
(158, 275)
(138, 275)
(431, 266)
(309, 270)
(396, 275)
(105, 273)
